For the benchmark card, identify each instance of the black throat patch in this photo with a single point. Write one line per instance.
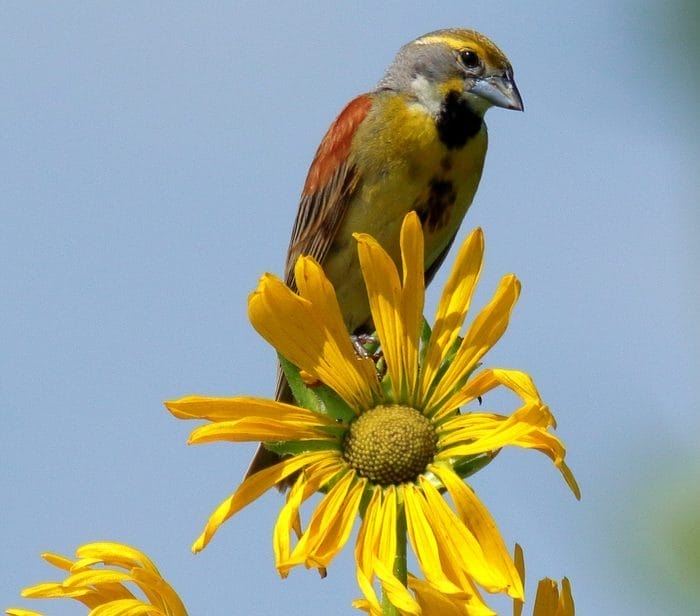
(457, 123)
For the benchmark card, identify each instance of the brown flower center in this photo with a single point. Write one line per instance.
(390, 444)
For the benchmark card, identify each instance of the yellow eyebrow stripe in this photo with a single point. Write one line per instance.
(451, 41)
(467, 39)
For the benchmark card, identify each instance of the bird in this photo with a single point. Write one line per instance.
(416, 142)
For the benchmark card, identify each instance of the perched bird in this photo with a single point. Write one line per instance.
(415, 142)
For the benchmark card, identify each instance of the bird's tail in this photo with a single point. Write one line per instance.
(264, 458)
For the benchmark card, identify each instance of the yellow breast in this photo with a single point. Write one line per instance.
(402, 166)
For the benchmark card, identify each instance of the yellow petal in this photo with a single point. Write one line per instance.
(435, 603)
(242, 407)
(57, 560)
(503, 432)
(453, 306)
(519, 382)
(126, 607)
(424, 542)
(312, 336)
(314, 286)
(474, 433)
(412, 294)
(384, 292)
(256, 429)
(566, 599)
(376, 540)
(340, 518)
(462, 548)
(545, 442)
(468, 427)
(308, 483)
(15, 611)
(547, 599)
(330, 524)
(97, 577)
(368, 537)
(112, 553)
(50, 590)
(370, 603)
(158, 592)
(396, 592)
(287, 518)
(482, 526)
(570, 479)
(317, 289)
(519, 561)
(386, 542)
(487, 328)
(251, 489)
(396, 305)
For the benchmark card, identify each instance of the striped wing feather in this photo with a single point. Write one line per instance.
(329, 187)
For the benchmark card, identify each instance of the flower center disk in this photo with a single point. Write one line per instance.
(390, 444)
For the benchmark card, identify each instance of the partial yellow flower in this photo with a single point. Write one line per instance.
(549, 601)
(400, 440)
(110, 579)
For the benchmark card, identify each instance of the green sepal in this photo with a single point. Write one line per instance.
(469, 465)
(364, 501)
(425, 334)
(294, 448)
(447, 360)
(334, 405)
(319, 398)
(304, 396)
(387, 388)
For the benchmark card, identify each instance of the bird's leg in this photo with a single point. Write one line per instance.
(366, 346)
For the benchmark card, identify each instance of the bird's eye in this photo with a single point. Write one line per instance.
(469, 58)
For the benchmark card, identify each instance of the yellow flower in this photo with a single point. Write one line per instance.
(101, 577)
(399, 439)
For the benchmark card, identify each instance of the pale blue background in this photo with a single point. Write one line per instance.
(151, 156)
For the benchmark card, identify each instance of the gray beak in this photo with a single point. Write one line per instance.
(499, 90)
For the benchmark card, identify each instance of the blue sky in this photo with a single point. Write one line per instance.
(152, 158)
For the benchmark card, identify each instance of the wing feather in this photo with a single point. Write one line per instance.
(330, 184)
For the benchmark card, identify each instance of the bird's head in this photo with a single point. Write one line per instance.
(457, 61)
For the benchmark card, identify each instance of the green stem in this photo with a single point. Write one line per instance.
(400, 560)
